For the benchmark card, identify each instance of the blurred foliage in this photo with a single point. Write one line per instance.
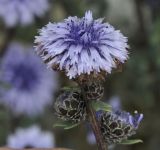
(138, 85)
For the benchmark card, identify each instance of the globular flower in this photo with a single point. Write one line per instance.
(81, 46)
(23, 12)
(118, 126)
(70, 106)
(30, 85)
(91, 138)
(32, 137)
(115, 102)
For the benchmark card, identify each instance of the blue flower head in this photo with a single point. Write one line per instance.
(31, 137)
(115, 102)
(119, 125)
(81, 46)
(30, 84)
(23, 12)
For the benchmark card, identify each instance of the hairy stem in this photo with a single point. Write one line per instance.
(96, 129)
(95, 125)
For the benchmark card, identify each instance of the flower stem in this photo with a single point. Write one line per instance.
(101, 144)
(94, 123)
(96, 128)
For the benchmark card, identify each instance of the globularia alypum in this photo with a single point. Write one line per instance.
(87, 50)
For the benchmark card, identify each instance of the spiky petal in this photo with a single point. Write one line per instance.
(81, 46)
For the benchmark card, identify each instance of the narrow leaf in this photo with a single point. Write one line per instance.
(59, 124)
(130, 142)
(65, 125)
(71, 126)
(69, 88)
(99, 105)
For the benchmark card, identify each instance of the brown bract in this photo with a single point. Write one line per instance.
(92, 77)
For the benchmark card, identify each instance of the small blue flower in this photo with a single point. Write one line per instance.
(32, 137)
(81, 46)
(115, 102)
(30, 85)
(119, 125)
(91, 138)
(22, 12)
(136, 119)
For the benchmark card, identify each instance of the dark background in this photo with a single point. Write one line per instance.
(137, 85)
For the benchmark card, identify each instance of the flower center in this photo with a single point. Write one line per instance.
(23, 77)
(84, 35)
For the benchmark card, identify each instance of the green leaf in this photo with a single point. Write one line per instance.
(130, 142)
(99, 105)
(65, 125)
(69, 88)
(59, 124)
(71, 126)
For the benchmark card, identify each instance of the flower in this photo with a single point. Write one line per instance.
(115, 102)
(118, 126)
(70, 106)
(32, 137)
(31, 85)
(81, 46)
(91, 138)
(23, 12)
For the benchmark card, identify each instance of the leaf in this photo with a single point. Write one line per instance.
(59, 124)
(65, 125)
(130, 142)
(69, 88)
(71, 126)
(99, 105)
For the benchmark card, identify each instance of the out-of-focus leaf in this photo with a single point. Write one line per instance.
(71, 126)
(99, 105)
(69, 88)
(65, 125)
(130, 142)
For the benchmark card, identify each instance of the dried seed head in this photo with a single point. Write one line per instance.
(70, 106)
(118, 126)
(93, 90)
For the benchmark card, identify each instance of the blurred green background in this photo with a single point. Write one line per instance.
(138, 85)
